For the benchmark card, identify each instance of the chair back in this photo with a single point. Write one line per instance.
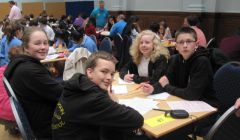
(226, 128)
(226, 84)
(94, 38)
(105, 45)
(212, 43)
(21, 120)
(9, 88)
(117, 46)
(125, 55)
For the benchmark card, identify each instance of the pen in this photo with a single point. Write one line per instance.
(160, 110)
(111, 88)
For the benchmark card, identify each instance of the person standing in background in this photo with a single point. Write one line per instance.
(15, 12)
(101, 15)
(193, 22)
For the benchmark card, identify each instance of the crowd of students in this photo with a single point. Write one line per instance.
(83, 107)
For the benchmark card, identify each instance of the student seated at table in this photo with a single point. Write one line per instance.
(118, 27)
(189, 75)
(87, 109)
(111, 21)
(132, 27)
(90, 28)
(164, 31)
(60, 38)
(149, 59)
(13, 33)
(82, 40)
(193, 22)
(32, 83)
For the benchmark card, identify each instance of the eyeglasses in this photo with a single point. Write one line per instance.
(188, 42)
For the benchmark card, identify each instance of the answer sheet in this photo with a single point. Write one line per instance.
(191, 106)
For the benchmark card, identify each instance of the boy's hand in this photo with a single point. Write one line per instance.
(163, 81)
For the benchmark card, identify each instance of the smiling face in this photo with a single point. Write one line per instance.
(102, 74)
(146, 45)
(186, 45)
(37, 45)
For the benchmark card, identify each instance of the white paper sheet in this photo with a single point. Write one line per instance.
(119, 89)
(122, 82)
(191, 106)
(51, 50)
(160, 96)
(140, 104)
(53, 56)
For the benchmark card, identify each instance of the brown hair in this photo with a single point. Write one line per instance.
(186, 30)
(15, 51)
(27, 34)
(12, 28)
(92, 59)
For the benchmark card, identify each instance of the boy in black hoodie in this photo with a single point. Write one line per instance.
(87, 112)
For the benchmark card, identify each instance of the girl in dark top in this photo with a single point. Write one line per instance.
(111, 20)
(132, 27)
(32, 83)
(149, 59)
(90, 28)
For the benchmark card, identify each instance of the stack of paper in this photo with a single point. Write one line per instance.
(140, 104)
(191, 106)
(160, 96)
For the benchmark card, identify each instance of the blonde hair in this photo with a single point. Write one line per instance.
(158, 49)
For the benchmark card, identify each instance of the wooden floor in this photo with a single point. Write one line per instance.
(4, 135)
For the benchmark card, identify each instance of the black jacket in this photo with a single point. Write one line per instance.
(86, 112)
(155, 70)
(190, 79)
(36, 90)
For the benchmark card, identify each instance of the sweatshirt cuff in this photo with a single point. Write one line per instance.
(168, 88)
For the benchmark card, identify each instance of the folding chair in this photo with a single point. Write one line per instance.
(212, 43)
(19, 113)
(9, 88)
(226, 84)
(105, 45)
(21, 120)
(226, 128)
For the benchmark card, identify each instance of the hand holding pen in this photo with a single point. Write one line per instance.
(128, 77)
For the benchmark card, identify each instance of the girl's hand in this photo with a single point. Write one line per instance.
(128, 77)
(147, 88)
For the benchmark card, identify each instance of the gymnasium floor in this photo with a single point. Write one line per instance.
(5, 136)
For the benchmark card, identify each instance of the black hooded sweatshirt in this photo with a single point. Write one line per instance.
(86, 112)
(36, 90)
(190, 79)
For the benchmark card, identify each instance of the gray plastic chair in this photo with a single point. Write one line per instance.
(227, 127)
